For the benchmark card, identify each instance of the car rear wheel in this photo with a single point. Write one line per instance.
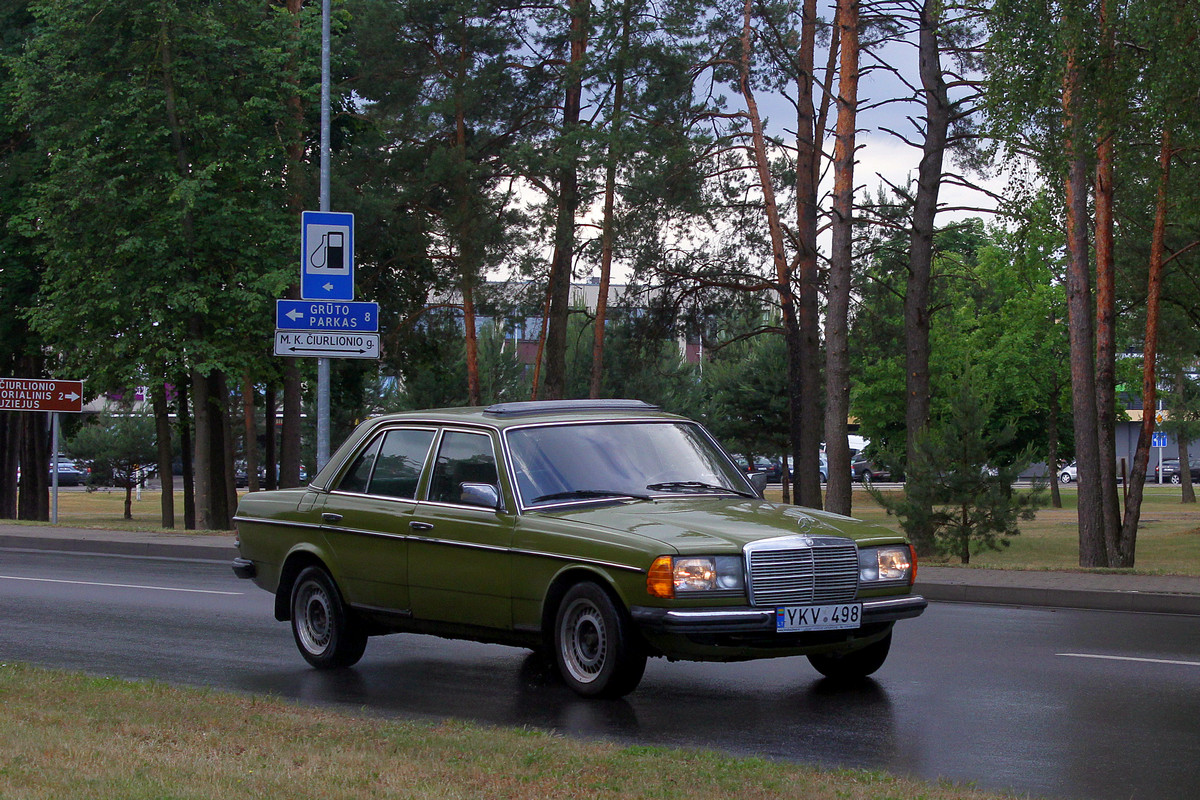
(595, 646)
(326, 634)
(1064, 478)
(855, 665)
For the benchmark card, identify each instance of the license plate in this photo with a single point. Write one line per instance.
(818, 618)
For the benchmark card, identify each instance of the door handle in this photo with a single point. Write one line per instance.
(421, 526)
(331, 518)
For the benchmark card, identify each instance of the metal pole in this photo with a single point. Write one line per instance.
(323, 363)
(53, 467)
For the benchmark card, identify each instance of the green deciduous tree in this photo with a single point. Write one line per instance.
(160, 212)
(119, 445)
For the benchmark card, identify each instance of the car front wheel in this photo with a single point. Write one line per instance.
(855, 665)
(326, 634)
(595, 646)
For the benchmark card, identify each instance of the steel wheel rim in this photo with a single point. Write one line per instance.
(584, 641)
(314, 619)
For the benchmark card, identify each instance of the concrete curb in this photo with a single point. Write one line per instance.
(139, 548)
(1150, 594)
(1090, 599)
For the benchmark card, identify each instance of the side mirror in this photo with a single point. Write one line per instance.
(485, 495)
(759, 481)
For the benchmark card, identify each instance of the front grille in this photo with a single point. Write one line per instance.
(799, 571)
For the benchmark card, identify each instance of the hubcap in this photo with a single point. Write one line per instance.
(584, 641)
(314, 623)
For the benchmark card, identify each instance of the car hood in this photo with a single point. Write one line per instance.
(696, 524)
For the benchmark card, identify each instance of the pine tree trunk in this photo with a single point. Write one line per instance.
(805, 343)
(783, 272)
(1092, 551)
(841, 263)
(920, 254)
(1121, 552)
(1106, 313)
(474, 395)
(1053, 415)
(568, 205)
(1185, 460)
(610, 190)
(290, 434)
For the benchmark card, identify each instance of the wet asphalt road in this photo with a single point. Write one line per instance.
(1071, 704)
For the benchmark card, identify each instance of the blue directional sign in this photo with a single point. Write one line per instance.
(1159, 439)
(326, 256)
(316, 315)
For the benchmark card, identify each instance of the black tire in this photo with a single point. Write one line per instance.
(856, 665)
(596, 648)
(326, 634)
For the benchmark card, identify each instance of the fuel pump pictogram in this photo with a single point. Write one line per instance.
(330, 252)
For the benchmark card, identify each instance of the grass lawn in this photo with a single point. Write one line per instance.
(68, 736)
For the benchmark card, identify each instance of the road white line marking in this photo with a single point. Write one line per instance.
(118, 585)
(1131, 658)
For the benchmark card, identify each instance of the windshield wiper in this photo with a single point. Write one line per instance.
(685, 486)
(586, 493)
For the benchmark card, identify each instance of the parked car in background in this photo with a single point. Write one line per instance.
(1068, 474)
(768, 466)
(1171, 472)
(68, 473)
(864, 470)
(600, 533)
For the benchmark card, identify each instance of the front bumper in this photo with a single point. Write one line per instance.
(744, 620)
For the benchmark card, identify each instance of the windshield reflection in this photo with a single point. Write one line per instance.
(555, 464)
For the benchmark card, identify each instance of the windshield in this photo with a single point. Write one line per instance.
(561, 463)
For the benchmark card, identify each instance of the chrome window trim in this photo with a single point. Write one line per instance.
(282, 523)
(376, 438)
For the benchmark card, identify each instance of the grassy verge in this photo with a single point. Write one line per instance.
(67, 735)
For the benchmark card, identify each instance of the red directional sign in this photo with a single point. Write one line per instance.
(40, 394)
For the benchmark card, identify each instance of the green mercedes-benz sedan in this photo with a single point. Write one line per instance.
(601, 532)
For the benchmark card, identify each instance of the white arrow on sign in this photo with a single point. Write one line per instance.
(72, 397)
(294, 315)
(328, 287)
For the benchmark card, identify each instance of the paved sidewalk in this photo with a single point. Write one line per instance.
(1162, 594)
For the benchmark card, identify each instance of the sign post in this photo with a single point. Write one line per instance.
(52, 396)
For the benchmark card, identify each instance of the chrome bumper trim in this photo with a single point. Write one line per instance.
(750, 620)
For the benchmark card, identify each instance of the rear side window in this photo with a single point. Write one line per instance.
(398, 468)
(391, 465)
(355, 480)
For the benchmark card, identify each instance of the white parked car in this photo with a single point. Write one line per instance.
(1067, 474)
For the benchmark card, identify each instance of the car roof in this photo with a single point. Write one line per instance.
(500, 416)
(505, 415)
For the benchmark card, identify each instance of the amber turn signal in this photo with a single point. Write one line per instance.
(660, 580)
